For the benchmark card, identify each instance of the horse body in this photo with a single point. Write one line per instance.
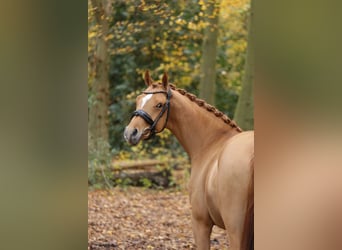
(221, 161)
(218, 189)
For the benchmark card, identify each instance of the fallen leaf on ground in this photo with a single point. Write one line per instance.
(138, 218)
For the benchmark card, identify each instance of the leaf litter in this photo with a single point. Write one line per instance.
(138, 218)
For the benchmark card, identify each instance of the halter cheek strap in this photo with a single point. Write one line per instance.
(147, 118)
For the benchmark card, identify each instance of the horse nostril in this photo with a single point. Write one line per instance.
(135, 132)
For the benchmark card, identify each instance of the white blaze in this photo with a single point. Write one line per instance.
(145, 99)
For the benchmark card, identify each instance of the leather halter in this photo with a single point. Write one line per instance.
(147, 118)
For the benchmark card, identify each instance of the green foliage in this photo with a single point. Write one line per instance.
(165, 36)
(123, 182)
(147, 183)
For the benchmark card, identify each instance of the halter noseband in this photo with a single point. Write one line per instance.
(148, 118)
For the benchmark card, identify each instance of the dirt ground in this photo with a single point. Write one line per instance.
(138, 218)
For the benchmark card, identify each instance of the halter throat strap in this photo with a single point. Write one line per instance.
(147, 118)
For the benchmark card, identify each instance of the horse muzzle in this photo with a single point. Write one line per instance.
(132, 135)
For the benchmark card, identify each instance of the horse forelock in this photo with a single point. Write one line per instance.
(207, 106)
(155, 85)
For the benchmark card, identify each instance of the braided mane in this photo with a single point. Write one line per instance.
(207, 106)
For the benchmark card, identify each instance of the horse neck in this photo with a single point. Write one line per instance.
(196, 128)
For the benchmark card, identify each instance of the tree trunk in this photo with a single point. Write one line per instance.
(98, 110)
(244, 114)
(209, 48)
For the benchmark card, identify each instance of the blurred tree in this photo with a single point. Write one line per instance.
(232, 45)
(99, 85)
(209, 51)
(244, 114)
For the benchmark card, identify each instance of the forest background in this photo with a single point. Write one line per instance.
(202, 45)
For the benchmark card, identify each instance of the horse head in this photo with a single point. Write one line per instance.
(152, 111)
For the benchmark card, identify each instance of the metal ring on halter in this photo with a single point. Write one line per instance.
(147, 118)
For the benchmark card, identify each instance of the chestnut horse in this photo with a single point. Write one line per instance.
(222, 172)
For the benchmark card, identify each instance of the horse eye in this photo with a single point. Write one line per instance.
(159, 105)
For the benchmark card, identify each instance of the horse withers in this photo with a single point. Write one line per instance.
(222, 170)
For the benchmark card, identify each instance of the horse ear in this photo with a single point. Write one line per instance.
(147, 78)
(165, 80)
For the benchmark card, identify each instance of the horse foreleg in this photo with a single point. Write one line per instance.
(202, 230)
